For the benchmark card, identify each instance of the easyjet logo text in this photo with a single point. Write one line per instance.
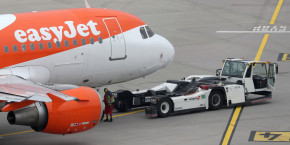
(58, 33)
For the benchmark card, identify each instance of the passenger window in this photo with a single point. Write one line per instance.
(143, 33)
(14, 48)
(6, 49)
(49, 45)
(75, 42)
(32, 47)
(66, 43)
(100, 40)
(84, 41)
(57, 44)
(149, 31)
(23, 46)
(40, 45)
(92, 41)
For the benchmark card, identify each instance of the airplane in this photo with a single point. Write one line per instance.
(50, 60)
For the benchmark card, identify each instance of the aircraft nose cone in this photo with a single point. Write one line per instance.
(169, 51)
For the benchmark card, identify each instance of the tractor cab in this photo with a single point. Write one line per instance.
(256, 76)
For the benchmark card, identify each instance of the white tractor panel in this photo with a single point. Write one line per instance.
(235, 93)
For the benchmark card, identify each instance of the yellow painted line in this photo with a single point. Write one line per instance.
(262, 46)
(270, 136)
(16, 133)
(276, 12)
(128, 113)
(232, 125)
(266, 36)
(33, 130)
(285, 57)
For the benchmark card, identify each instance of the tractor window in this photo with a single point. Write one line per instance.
(260, 69)
(260, 75)
(181, 87)
(234, 69)
(185, 88)
(249, 71)
(271, 71)
(271, 75)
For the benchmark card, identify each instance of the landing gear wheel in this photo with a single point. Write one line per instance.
(164, 108)
(215, 100)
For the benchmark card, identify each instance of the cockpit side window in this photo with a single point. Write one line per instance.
(149, 31)
(143, 33)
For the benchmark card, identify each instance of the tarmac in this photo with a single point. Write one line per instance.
(191, 26)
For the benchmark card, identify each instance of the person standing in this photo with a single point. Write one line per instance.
(108, 100)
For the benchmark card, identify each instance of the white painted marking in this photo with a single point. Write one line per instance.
(6, 20)
(253, 32)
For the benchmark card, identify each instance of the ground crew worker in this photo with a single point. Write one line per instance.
(109, 100)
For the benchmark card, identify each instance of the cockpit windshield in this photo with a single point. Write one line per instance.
(234, 69)
(149, 31)
(146, 32)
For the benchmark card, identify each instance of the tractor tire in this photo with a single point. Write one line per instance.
(164, 108)
(215, 100)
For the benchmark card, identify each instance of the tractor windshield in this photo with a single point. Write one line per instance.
(234, 69)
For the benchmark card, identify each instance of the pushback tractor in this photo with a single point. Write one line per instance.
(238, 82)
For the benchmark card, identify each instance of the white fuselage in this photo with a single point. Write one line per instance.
(90, 65)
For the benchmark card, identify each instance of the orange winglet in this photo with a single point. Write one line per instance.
(17, 105)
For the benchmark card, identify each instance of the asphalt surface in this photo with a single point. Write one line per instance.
(190, 25)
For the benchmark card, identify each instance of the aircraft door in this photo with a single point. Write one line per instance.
(271, 76)
(118, 45)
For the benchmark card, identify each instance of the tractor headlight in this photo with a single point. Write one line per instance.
(154, 101)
